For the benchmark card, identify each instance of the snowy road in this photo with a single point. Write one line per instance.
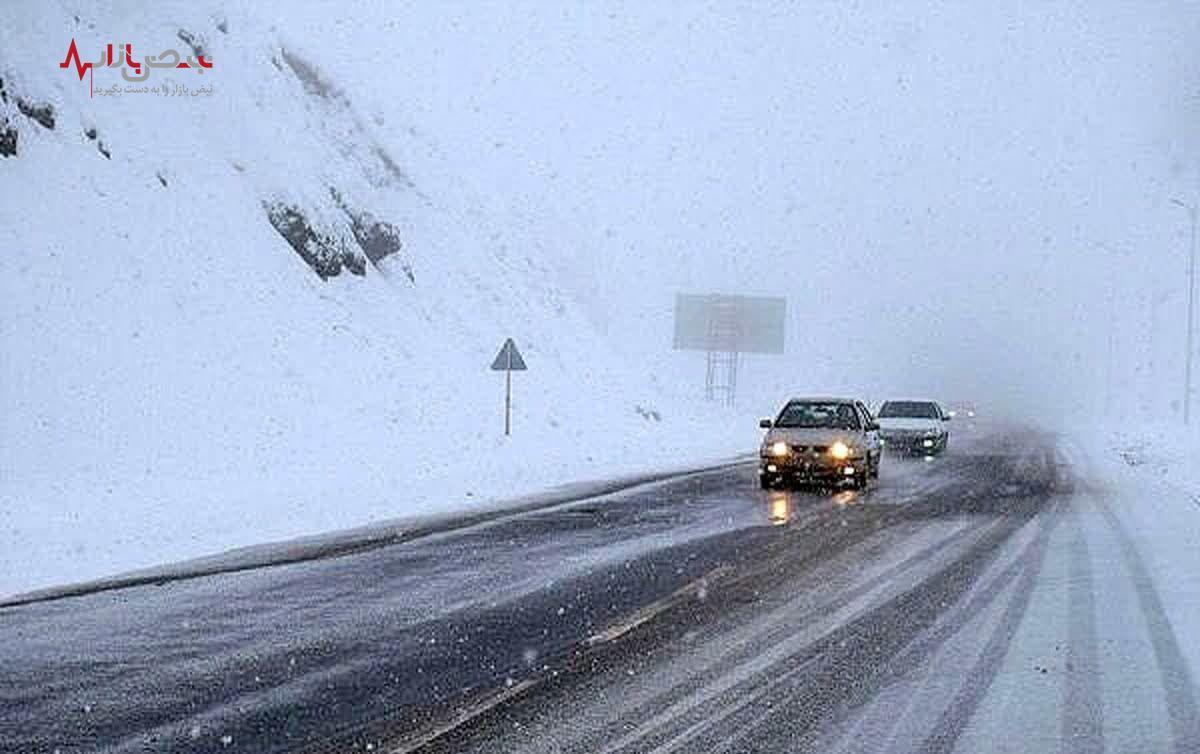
(993, 600)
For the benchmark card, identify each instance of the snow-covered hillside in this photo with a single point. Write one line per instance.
(269, 310)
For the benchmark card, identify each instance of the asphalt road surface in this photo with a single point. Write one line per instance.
(988, 600)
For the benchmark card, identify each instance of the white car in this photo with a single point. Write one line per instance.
(915, 427)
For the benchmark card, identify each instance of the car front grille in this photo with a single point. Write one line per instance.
(816, 449)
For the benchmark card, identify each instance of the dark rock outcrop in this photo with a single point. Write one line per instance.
(43, 113)
(192, 41)
(325, 253)
(378, 239)
(8, 139)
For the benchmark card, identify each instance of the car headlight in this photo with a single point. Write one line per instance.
(839, 450)
(778, 449)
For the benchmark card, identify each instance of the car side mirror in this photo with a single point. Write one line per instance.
(764, 423)
(947, 418)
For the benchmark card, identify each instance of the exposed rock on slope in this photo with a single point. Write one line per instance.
(325, 252)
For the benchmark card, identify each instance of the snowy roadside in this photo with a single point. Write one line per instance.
(147, 528)
(1150, 479)
(371, 536)
(1170, 453)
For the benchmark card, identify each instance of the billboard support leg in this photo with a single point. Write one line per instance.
(720, 375)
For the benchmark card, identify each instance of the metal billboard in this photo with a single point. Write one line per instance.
(735, 324)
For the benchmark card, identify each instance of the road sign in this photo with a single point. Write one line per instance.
(508, 361)
(509, 358)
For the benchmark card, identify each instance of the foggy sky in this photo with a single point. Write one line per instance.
(955, 198)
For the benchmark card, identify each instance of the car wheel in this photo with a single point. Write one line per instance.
(765, 482)
(875, 467)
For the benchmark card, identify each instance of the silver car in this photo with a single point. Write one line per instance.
(832, 441)
(913, 427)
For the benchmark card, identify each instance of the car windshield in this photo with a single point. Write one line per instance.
(909, 410)
(818, 415)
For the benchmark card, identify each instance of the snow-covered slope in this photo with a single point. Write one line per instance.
(177, 377)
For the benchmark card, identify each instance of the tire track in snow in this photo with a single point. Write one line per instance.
(880, 639)
(1178, 686)
(695, 705)
(1083, 707)
(921, 658)
(958, 713)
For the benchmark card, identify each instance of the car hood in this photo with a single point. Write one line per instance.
(910, 425)
(798, 436)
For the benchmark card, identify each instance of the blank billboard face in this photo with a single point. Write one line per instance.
(746, 324)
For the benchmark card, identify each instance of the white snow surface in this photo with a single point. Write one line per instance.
(1151, 477)
(1167, 451)
(176, 381)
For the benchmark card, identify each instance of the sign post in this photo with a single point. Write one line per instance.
(507, 361)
